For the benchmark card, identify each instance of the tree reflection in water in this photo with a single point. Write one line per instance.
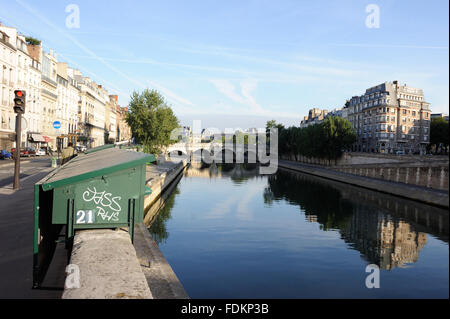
(388, 231)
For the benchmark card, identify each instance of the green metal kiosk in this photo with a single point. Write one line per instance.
(101, 189)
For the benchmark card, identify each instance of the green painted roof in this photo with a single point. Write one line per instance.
(100, 148)
(99, 163)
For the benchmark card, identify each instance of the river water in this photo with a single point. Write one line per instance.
(228, 232)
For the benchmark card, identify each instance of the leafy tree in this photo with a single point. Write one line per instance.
(32, 41)
(273, 124)
(339, 136)
(326, 140)
(151, 120)
(439, 129)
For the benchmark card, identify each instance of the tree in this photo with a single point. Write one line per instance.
(439, 129)
(273, 124)
(151, 120)
(32, 41)
(339, 136)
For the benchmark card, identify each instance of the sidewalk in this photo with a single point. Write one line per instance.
(16, 254)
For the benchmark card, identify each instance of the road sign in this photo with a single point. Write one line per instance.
(57, 125)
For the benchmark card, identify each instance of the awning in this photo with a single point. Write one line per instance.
(37, 138)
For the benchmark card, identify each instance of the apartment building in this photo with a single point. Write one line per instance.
(55, 92)
(91, 113)
(111, 119)
(315, 116)
(7, 85)
(390, 118)
(49, 98)
(123, 130)
(67, 104)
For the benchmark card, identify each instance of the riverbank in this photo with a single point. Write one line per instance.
(417, 193)
(111, 267)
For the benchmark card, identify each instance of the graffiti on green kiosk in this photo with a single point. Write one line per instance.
(108, 208)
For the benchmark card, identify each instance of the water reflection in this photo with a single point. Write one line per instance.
(386, 230)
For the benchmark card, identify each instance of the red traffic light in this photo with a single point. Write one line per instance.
(19, 93)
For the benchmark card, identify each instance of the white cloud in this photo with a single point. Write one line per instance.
(246, 98)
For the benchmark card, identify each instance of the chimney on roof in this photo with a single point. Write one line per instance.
(34, 51)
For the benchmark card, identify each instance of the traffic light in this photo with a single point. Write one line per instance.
(19, 101)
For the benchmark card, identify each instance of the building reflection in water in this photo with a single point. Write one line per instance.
(386, 230)
(382, 239)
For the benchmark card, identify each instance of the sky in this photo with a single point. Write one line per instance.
(237, 64)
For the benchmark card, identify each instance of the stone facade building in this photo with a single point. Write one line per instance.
(315, 116)
(7, 77)
(54, 92)
(390, 118)
(123, 130)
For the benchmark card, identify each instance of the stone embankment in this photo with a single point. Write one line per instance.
(436, 197)
(112, 267)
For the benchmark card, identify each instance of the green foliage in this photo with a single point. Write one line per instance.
(32, 41)
(151, 120)
(439, 130)
(326, 140)
(273, 124)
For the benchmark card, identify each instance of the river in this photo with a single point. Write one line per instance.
(228, 232)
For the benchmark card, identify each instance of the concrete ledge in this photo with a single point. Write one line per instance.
(109, 268)
(165, 174)
(161, 279)
(420, 194)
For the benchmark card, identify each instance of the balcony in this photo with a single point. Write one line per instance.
(49, 93)
(48, 80)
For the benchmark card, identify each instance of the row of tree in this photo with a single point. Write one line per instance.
(327, 140)
(439, 139)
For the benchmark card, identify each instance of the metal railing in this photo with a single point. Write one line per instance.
(47, 79)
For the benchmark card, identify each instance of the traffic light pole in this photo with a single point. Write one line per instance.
(16, 184)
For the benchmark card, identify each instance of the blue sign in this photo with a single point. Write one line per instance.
(57, 124)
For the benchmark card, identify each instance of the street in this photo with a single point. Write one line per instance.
(16, 234)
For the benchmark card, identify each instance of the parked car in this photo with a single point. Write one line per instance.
(400, 153)
(25, 152)
(81, 148)
(41, 152)
(4, 154)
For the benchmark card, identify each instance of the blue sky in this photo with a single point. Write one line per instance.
(240, 63)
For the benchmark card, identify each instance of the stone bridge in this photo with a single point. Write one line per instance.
(217, 152)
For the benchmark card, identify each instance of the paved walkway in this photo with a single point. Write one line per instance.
(16, 238)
